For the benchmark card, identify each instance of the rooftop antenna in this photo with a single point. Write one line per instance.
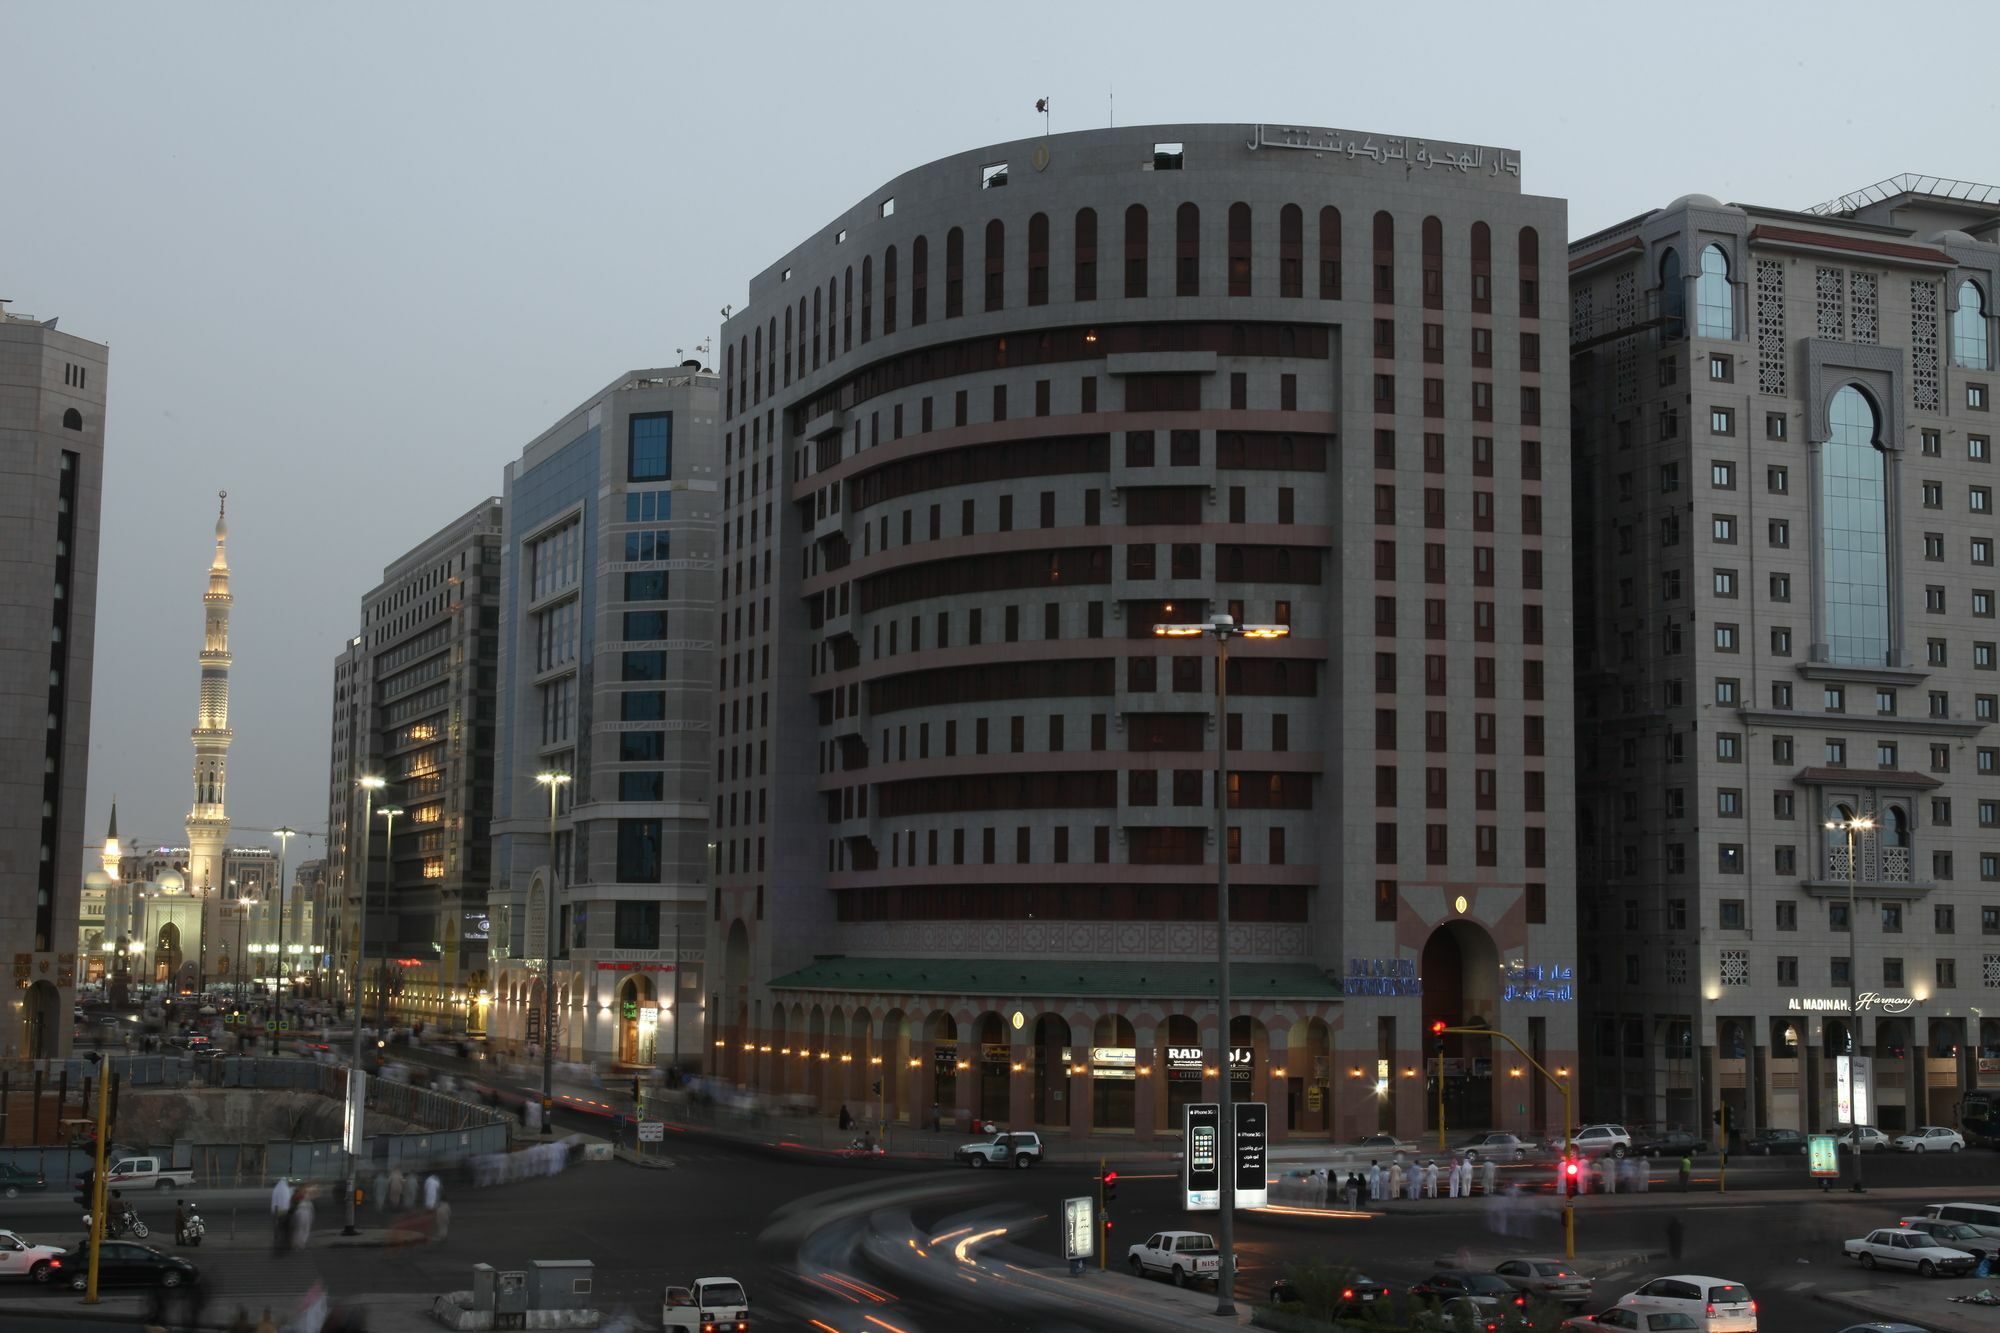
(1111, 96)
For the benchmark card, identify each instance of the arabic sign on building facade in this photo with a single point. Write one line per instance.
(1412, 154)
(1382, 976)
(1540, 983)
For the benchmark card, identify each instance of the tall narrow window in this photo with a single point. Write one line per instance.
(954, 273)
(1714, 300)
(996, 264)
(1187, 251)
(1854, 560)
(867, 297)
(1135, 251)
(1086, 254)
(847, 310)
(1385, 259)
(1239, 249)
(1530, 264)
(1482, 269)
(1329, 253)
(889, 291)
(1673, 292)
(1291, 250)
(1433, 264)
(1968, 328)
(1038, 259)
(920, 280)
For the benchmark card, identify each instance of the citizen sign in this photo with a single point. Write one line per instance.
(1868, 999)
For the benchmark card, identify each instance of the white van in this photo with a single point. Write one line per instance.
(1981, 1217)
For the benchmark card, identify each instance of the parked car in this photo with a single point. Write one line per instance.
(1181, 1256)
(1929, 1138)
(710, 1305)
(1447, 1283)
(143, 1173)
(1981, 1217)
(1358, 1295)
(124, 1264)
(1506, 1147)
(1466, 1314)
(1022, 1149)
(1629, 1321)
(1673, 1143)
(23, 1258)
(1871, 1138)
(15, 1182)
(1953, 1235)
(1899, 1247)
(1602, 1140)
(1384, 1143)
(1716, 1304)
(1775, 1143)
(1550, 1278)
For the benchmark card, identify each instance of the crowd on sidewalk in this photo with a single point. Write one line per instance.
(1458, 1177)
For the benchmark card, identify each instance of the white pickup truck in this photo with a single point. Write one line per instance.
(711, 1305)
(144, 1173)
(1182, 1256)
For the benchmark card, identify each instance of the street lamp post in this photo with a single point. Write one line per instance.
(1852, 825)
(554, 782)
(369, 786)
(284, 837)
(388, 890)
(242, 916)
(1222, 629)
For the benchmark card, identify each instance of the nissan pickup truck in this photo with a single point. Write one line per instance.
(710, 1305)
(1183, 1257)
(142, 1173)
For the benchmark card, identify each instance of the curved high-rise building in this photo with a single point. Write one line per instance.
(208, 819)
(985, 429)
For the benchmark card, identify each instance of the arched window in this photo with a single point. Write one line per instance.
(1968, 328)
(1038, 259)
(72, 419)
(1433, 264)
(757, 366)
(996, 265)
(728, 384)
(1854, 557)
(1291, 251)
(788, 344)
(1086, 254)
(1714, 302)
(1385, 259)
(888, 291)
(867, 297)
(1895, 827)
(771, 356)
(1530, 260)
(1187, 251)
(802, 337)
(1239, 249)
(1135, 251)
(846, 310)
(920, 281)
(1482, 268)
(818, 315)
(1673, 292)
(954, 273)
(1329, 253)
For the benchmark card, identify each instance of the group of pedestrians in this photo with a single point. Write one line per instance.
(291, 1216)
(1459, 1178)
(504, 1168)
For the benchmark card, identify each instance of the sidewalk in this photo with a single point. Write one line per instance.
(1122, 1296)
(1912, 1302)
(384, 1314)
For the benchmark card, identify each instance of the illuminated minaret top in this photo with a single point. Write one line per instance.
(208, 821)
(114, 851)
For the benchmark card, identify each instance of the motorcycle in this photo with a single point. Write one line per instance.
(191, 1232)
(117, 1224)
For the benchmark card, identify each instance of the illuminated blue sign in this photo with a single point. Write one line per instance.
(1541, 983)
(1382, 976)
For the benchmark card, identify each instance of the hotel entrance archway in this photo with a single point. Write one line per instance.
(1461, 975)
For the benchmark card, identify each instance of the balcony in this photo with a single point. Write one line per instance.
(1879, 872)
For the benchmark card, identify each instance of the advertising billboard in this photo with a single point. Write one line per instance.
(1201, 1163)
(1079, 1229)
(1252, 1174)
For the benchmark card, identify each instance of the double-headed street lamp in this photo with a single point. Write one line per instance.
(388, 890)
(1852, 825)
(284, 837)
(1222, 629)
(554, 781)
(369, 786)
(242, 917)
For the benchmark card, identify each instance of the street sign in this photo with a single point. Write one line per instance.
(1079, 1228)
(1854, 1081)
(1823, 1152)
(1201, 1162)
(1252, 1131)
(652, 1131)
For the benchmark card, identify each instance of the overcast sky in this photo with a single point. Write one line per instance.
(350, 257)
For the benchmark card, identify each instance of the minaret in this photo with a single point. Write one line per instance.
(208, 821)
(114, 853)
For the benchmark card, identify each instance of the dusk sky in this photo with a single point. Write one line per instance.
(350, 258)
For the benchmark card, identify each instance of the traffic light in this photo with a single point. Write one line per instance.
(1110, 1188)
(1572, 1169)
(1437, 1033)
(1721, 1118)
(875, 1088)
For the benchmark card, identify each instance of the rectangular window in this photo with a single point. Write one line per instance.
(650, 447)
(637, 925)
(639, 851)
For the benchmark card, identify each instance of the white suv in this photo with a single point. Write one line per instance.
(1603, 1140)
(1714, 1303)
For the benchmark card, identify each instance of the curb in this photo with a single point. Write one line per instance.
(1845, 1300)
(648, 1162)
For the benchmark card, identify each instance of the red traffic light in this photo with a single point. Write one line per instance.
(1437, 1028)
(1111, 1177)
(1570, 1168)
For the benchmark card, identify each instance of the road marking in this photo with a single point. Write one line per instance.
(884, 1323)
(1800, 1286)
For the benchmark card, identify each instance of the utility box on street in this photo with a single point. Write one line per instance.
(484, 1282)
(510, 1303)
(560, 1284)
